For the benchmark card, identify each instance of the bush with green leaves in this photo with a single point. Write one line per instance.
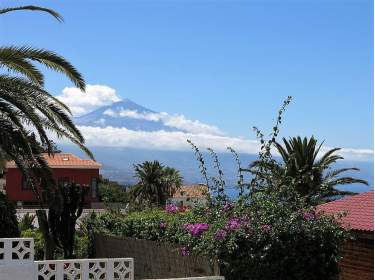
(8, 218)
(27, 222)
(112, 192)
(37, 235)
(267, 238)
(80, 245)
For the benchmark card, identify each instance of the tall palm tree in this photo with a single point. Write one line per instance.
(172, 180)
(155, 182)
(311, 175)
(26, 106)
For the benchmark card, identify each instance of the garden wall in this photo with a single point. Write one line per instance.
(153, 259)
(358, 259)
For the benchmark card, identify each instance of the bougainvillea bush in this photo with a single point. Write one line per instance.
(267, 238)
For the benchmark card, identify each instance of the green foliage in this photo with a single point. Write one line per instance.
(112, 192)
(27, 222)
(312, 176)
(156, 183)
(80, 245)
(268, 238)
(39, 242)
(59, 229)
(8, 218)
(25, 105)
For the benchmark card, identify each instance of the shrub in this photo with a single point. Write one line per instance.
(27, 222)
(38, 241)
(81, 245)
(269, 238)
(8, 218)
(112, 192)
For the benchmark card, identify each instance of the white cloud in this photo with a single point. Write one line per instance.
(175, 121)
(352, 154)
(163, 140)
(83, 102)
(134, 114)
(179, 121)
(166, 140)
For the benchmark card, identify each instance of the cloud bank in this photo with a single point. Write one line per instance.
(203, 135)
(176, 141)
(83, 102)
(174, 121)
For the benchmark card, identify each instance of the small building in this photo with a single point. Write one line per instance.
(358, 254)
(189, 196)
(66, 168)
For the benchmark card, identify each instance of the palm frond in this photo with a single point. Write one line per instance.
(48, 58)
(346, 181)
(53, 13)
(21, 66)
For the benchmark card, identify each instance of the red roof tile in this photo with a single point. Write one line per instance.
(64, 160)
(359, 211)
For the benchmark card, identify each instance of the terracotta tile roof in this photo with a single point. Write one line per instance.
(359, 209)
(192, 191)
(65, 160)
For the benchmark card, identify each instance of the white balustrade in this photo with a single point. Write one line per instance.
(16, 250)
(80, 269)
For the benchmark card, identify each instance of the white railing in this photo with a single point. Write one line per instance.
(17, 262)
(16, 250)
(80, 269)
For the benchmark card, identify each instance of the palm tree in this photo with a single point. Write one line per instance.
(312, 176)
(156, 182)
(26, 106)
(172, 180)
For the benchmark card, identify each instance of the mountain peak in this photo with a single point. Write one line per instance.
(124, 114)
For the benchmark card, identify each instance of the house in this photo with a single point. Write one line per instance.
(358, 254)
(190, 195)
(66, 168)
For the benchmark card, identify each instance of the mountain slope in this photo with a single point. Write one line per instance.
(126, 114)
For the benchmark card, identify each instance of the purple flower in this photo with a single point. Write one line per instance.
(227, 206)
(196, 229)
(265, 228)
(185, 251)
(163, 225)
(171, 208)
(234, 224)
(309, 216)
(220, 234)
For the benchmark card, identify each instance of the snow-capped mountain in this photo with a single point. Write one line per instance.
(125, 113)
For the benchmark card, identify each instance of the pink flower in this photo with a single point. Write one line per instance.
(265, 228)
(220, 234)
(233, 224)
(227, 206)
(171, 208)
(185, 251)
(196, 229)
(163, 225)
(309, 216)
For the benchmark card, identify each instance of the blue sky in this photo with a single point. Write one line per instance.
(225, 63)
